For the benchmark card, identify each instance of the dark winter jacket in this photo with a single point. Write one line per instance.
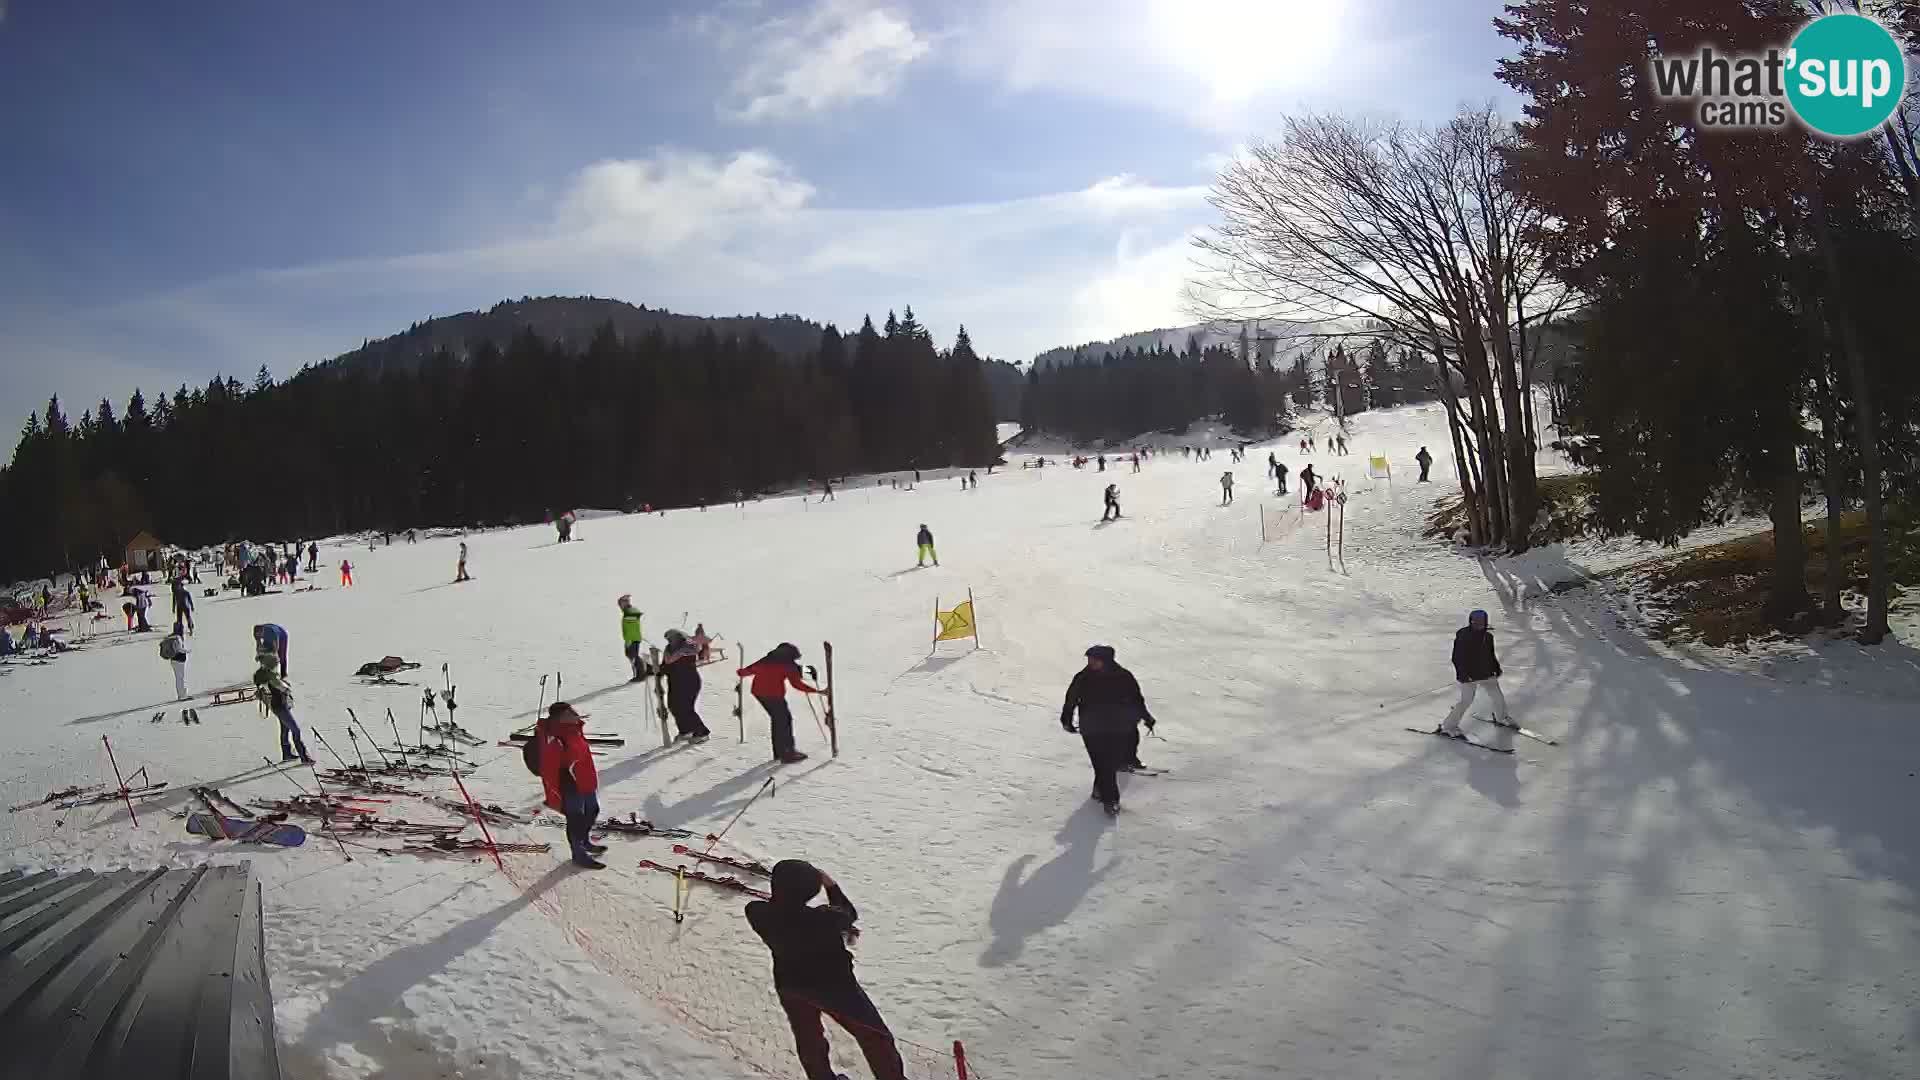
(809, 944)
(681, 663)
(924, 538)
(1473, 657)
(1109, 700)
(1425, 459)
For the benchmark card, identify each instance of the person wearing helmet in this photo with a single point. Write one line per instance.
(813, 971)
(1111, 706)
(681, 664)
(1475, 667)
(630, 633)
(925, 540)
(772, 674)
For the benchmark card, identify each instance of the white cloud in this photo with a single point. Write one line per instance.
(710, 234)
(837, 52)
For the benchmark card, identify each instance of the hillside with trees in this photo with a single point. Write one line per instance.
(493, 435)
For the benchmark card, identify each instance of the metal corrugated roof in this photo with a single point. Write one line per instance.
(134, 973)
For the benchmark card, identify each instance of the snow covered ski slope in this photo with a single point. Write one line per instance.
(1711, 876)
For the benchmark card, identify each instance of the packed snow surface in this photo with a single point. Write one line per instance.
(1712, 875)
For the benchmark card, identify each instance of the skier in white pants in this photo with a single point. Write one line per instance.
(174, 648)
(1475, 667)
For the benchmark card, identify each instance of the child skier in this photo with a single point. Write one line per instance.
(1475, 667)
(681, 663)
(346, 573)
(772, 674)
(632, 637)
(813, 971)
(925, 541)
(272, 687)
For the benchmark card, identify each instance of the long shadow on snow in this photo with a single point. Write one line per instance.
(1650, 756)
(729, 794)
(1027, 904)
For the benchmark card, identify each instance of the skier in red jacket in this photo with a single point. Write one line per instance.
(571, 782)
(771, 675)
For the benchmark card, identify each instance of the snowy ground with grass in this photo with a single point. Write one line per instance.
(1712, 875)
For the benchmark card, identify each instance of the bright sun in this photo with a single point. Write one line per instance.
(1242, 47)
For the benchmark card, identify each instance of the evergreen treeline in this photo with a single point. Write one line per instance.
(503, 436)
(1118, 396)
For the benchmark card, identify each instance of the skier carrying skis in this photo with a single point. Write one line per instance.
(681, 663)
(1226, 488)
(925, 541)
(813, 971)
(1112, 511)
(273, 688)
(1426, 462)
(772, 674)
(569, 781)
(1111, 706)
(632, 636)
(1474, 667)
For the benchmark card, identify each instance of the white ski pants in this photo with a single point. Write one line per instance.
(1467, 691)
(179, 679)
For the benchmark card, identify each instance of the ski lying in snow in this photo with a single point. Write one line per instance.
(110, 796)
(252, 832)
(749, 865)
(1469, 742)
(313, 806)
(499, 815)
(448, 845)
(733, 883)
(1517, 729)
(631, 825)
(213, 799)
(56, 796)
(397, 828)
(459, 734)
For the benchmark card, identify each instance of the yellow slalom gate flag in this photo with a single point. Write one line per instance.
(956, 624)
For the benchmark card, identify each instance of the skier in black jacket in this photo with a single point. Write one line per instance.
(1112, 499)
(681, 665)
(1111, 708)
(1475, 667)
(813, 971)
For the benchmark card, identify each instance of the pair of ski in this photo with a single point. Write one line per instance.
(61, 795)
(448, 845)
(498, 815)
(246, 828)
(683, 874)
(632, 825)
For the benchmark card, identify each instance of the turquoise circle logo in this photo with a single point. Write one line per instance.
(1848, 75)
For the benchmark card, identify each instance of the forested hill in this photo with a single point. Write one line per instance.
(570, 322)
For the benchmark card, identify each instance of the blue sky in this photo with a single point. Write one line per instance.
(203, 188)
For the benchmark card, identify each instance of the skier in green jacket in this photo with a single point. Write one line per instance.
(631, 634)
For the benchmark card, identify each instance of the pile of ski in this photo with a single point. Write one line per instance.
(448, 845)
(749, 865)
(498, 815)
(632, 825)
(378, 827)
(683, 873)
(451, 730)
(315, 806)
(363, 780)
(57, 796)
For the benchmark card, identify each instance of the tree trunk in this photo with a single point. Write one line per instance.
(1788, 592)
(1831, 612)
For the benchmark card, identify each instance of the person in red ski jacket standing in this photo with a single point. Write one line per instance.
(571, 782)
(772, 674)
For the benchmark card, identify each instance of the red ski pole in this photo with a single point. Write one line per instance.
(478, 815)
(124, 797)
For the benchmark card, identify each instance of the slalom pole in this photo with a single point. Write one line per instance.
(125, 797)
(766, 786)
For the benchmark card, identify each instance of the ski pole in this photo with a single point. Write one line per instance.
(397, 740)
(326, 808)
(124, 796)
(371, 741)
(275, 766)
(329, 749)
(354, 737)
(765, 788)
(540, 708)
(478, 816)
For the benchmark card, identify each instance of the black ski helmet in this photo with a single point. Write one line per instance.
(795, 881)
(1102, 653)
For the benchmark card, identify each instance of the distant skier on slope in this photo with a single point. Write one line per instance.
(1474, 667)
(1426, 462)
(772, 674)
(924, 540)
(1111, 708)
(1112, 511)
(813, 971)
(1280, 478)
(631, 636)
(1226, 488)
(681, 662)
(460, 572)
(313, 558)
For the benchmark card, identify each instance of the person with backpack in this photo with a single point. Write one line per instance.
(173, 649)
(924, 539)
(813, 971)
(272, 688)
(1475, 668)
(772, 674)
(632, 638)
(569, 780)
(681, 665)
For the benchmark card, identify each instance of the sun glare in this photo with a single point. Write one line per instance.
(1240, 48)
